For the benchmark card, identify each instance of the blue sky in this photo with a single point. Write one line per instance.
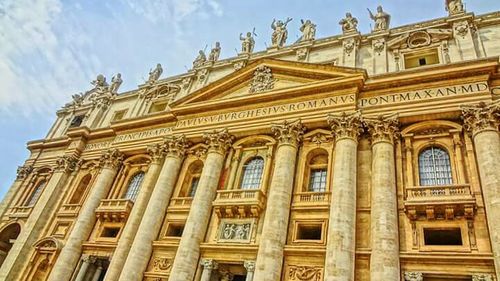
(51, 49)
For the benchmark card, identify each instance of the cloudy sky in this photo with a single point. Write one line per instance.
(51, 49)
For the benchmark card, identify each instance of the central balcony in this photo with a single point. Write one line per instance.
(239, 203)
(311, 200)
(444, 201)
(114, 210)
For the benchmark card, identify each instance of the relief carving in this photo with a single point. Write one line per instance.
(462, 28)
(262, 81)
(414, 276)
(288, 132)
(482, 277)
(346, 125)
(235, 231)
(378, 46)
(349, 45)
(305, 273)
(162, 264)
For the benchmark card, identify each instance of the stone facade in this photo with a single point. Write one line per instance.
(353, 157)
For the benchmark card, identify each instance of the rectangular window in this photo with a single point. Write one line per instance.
(76, 121)
(443, 237)
(193, 186)
(309, 232)
(423, 58)
(175, 230)
(119, 115)
(157, 107)
(317, 180)
(110, 232)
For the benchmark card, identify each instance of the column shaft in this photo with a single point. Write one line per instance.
(341, 239)
(384, 260)
(71, 252)
(135, 217)
(83, 270)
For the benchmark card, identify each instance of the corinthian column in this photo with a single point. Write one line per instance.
(341, 239)
(129, 231)
(110, 161)
(273, 238)
(137, 260)
(384, 259)
(22, 174)
(482, 123)
(188, 252)
(39, 216)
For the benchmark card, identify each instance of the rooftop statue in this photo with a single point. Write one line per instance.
(215, 52)
(349, 23)
(200, 59)
(308, 30)
(280, 32)
(116, 81)
(454, 7)
(382, 19)
(154, 74)
(247, 42)
(100, 84)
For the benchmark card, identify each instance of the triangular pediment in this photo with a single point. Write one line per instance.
(266, 76)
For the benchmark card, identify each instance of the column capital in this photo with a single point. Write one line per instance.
(66, 163)
(209, 264)
(345, 125)
(175, 146)
(481, 117)
(24, 171)
(89, 259)
(156, 152)
(414, 276)
(111, 159)
(218, 141)
(249, 265)
(383, 128)
(287, 132)
(482, 277)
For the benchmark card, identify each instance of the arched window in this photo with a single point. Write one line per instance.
(80, 190)
(133, 186)
(7, 237)
(317, 173)
(35, 194)
(192, 179)
(434, 167)
(252, 173)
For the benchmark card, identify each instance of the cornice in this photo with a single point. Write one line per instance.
(48, 143)
(143, 121)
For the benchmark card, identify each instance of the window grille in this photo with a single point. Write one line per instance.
(194, 186)
(434, 167)
(36, 194)
(317, 180)
(252, 173)
(134, 186)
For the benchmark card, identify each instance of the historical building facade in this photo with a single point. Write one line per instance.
(353, 157)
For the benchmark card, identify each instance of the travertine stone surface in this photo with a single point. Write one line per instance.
(270, 255)
(72, 250)
(188, 252)
(129, 231)
(148, 230)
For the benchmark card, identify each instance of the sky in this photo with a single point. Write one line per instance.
(51, 49)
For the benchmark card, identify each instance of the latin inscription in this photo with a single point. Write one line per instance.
(465, 89)
(129, 137)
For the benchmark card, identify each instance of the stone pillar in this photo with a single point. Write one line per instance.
(86, 261)
(142, 246)
(188, 252)
(273, 237)
(129, 231)
(110, 161)
(384, 259)
(22, 173)
(482, 123)
(250, 267)
(341, 238)
(208, 265)
(36, 222)
(414, 276)
(98, 271)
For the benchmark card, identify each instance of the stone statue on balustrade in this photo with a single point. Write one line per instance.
(100, 84)
(454, 7)
(308, 30)
(381, 18)
(280, 33)
(154, 74)
(215, 53)
(116, 81)
(200, 59)
(349, 24)
(247, 42)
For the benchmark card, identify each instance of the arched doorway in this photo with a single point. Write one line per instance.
(7, 237)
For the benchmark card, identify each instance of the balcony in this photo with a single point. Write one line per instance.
(180, 204)
(69, 210)
(446, 201)
(311, 200)
(240, 203)
(20, 212)
(114, 210)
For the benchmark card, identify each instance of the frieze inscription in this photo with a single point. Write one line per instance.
(159, 132)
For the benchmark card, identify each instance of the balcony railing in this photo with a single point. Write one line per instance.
(445, 201)
(180, 203)
(114, 209)
(20, 211)
(69, 210)
(239, 202)
(311, 200)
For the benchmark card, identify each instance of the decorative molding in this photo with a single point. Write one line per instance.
(24, 171)
(218, 141)
(162, 264)
(209, 264)
(288, 132)
(481, 117)
(249, 266)
(349, 45)
(378, 46)
(304, 273)
(461, 28)
(482, 277)
(383, 128)
(302, 53)
(66, 163)
(175, 146)
(111, 159)
(414, 276)
(235, 232)
(346, 125)
(263, 80)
